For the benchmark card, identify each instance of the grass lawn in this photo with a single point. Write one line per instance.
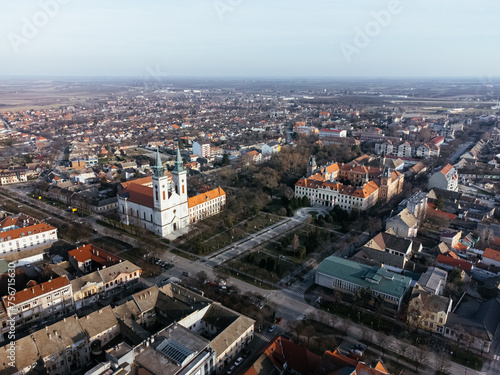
(184, 254)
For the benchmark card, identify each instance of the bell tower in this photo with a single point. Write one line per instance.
(160, 185)
(179, 177)
(311, 166)
(385, 182)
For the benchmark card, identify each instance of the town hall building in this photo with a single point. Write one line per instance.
(163, 206)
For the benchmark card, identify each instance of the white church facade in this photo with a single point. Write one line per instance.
(164, 207)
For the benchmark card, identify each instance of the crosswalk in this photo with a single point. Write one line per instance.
(268, 336)
(293, 292)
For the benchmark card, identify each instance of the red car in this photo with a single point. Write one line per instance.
(278, 321)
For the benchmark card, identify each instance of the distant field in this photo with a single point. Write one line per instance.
(50, 94)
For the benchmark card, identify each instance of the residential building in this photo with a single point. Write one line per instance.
(119, 276)
(9, 177)
(332, 133)
(89, 258)
(446, 178)
(474, 325)
(271, 148)
(404, 224)
(428, 311)
(282, 356)
(347, 277)
(491, 257)
(388, 250)
(87, 289)
(432, 281)
(253, 156)
(14, 238)
(38, 303)
(202, 149)
(100, 325)
(60, 348)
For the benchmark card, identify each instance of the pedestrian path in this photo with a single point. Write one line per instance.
(293, 292)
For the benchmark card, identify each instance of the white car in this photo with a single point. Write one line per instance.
(238, 361)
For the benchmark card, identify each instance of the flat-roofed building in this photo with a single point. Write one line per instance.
(347, 277)
(176, 350)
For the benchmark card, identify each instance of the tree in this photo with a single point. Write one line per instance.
(306, 202)
(439, 202)
(443, 362)
(363, 296)
(270, 263)
(225, 159)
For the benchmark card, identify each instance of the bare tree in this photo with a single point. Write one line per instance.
(443, 362)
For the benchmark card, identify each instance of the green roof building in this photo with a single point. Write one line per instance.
(347, 276)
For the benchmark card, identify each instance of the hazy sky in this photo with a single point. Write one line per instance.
(250, 38)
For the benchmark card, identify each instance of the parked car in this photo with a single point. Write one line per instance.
(278, 321)
(238, 361)
(272, 328)
(230, 371)
(360, 347)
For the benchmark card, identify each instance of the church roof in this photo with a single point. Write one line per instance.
(139, 194)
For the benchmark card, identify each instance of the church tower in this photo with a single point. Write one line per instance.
(160, 185)
(311, 166)
(179, 177)
(385, 182)
(179, 205)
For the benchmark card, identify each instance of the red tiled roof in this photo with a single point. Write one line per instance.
(440, 213)
(16, 233)
(38, 290)
(491, 254)
(458, 263)
(142, 195)
(140, 181)
(91, 252)
(446, 169)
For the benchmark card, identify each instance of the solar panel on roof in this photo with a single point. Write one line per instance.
(174, 351)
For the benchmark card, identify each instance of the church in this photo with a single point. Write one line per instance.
(161, 205)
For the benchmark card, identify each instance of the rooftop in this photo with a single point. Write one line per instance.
(377, 278)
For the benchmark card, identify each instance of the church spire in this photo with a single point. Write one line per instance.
(179, 164)
(159, 165)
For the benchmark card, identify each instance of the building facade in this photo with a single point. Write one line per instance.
(346, 277)
(164, 207)
(39, 303)
(446, 178)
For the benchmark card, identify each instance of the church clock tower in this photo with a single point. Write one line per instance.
(160, 185)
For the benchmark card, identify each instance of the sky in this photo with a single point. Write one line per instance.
(250, 38)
